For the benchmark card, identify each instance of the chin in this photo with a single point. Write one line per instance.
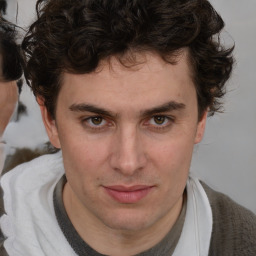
(128, 222)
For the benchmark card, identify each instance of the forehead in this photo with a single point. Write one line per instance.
(150, 81)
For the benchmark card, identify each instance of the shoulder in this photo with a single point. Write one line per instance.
(31, 183)
(234, 227)
(25, 179)
(51, 164)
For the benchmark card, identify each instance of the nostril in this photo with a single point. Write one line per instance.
(128, 164)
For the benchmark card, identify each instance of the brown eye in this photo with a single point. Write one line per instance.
(96, 123)
(159, 120)
(97, 120)
(160, 123)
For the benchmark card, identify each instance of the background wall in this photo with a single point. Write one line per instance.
(226, 158)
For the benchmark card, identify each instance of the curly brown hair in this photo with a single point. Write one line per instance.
(75, 35)
(11, 58)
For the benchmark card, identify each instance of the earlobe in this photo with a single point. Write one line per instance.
(201, 128)
(49, 123)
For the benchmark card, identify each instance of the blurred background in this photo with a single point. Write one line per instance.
(226, 158)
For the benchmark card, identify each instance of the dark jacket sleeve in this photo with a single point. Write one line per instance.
(234, 227)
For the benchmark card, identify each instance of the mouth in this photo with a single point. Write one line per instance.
(128, 195)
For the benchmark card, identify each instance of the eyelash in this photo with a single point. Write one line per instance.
(87, 123)
(168, 121)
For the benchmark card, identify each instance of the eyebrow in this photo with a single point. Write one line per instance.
(166, 107)
(169, 106)
(82, 107)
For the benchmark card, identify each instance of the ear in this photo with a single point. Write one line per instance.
(201, 128)
(49, 123)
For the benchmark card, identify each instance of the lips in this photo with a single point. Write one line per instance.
(128, 195)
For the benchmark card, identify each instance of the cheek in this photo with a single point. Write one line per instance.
(172, 162)
(82, 155)
(82, 168)
(175, 154)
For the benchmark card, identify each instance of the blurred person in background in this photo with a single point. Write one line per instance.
(11, 108)
(10, 73)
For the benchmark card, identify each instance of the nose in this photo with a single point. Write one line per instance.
(128, 154)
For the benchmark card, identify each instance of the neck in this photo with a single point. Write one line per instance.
(108, 241)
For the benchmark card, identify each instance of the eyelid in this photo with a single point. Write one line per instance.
(87, 125)
(108, 122)
(90, 119)
(170, 119)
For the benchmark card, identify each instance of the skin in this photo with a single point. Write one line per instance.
(8, 100)
(123, 129)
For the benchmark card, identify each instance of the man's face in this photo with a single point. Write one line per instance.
(127, 137)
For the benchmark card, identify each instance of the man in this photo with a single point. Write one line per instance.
(124, 89)
(10, 72)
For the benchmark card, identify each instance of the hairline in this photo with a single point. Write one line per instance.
(171, 59)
